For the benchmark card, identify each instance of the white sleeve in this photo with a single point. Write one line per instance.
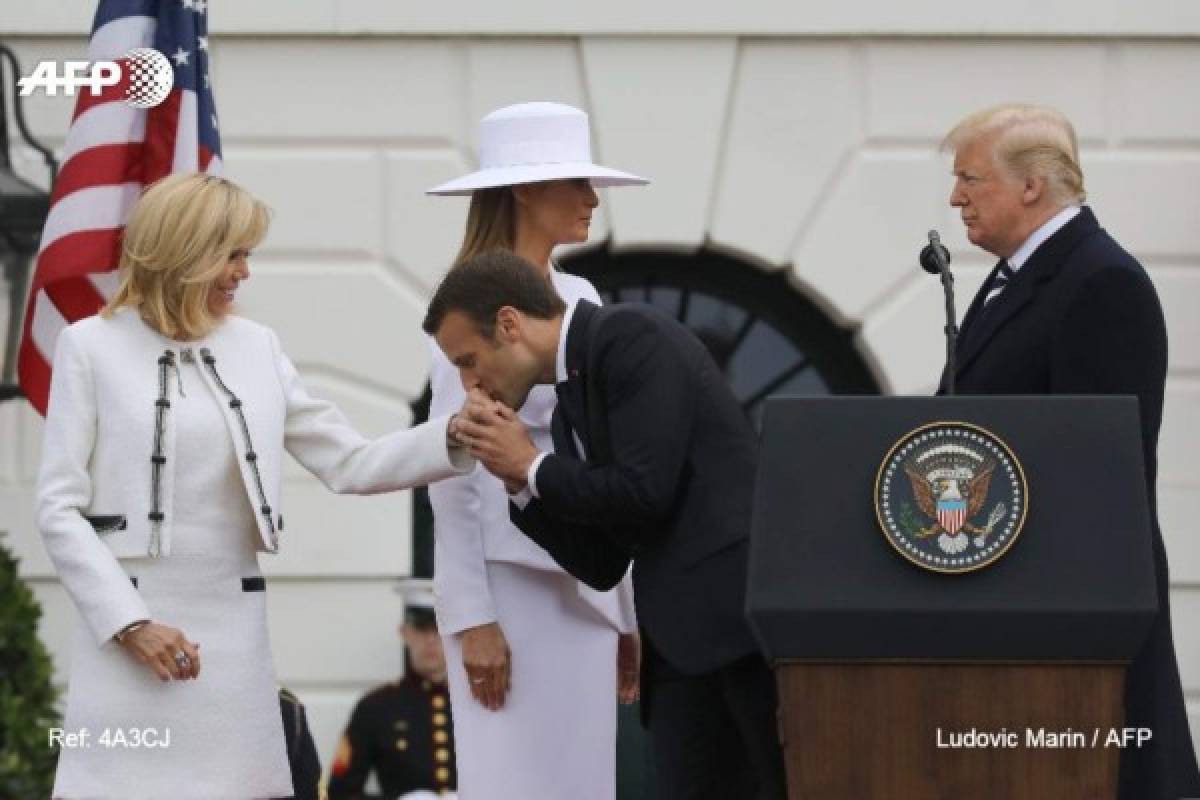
(626, 615)
(460, 581)
(89, 571)
(320, 437)
(521, 498)
(531, 477)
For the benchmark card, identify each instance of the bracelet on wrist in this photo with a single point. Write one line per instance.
(120, 635)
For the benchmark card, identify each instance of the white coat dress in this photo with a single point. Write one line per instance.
(555, 737)
(159, 485)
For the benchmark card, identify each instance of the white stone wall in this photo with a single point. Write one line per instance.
(810, 153)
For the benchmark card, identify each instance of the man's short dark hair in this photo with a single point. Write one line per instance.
(483, 284)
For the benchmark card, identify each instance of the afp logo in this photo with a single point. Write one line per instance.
(148, 72)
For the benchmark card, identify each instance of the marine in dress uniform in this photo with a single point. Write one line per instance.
(402, 731)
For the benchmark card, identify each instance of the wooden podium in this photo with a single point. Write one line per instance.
(900, 682)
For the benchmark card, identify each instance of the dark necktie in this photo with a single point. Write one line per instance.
(1002, 278)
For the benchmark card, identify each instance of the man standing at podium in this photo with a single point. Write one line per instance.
(1067, 311)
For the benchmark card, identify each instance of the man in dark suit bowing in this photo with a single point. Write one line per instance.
(1068, 311)
(654, 464)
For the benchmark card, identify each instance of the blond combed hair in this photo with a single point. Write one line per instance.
(1030, 140)
(491, 223)
(177, 241)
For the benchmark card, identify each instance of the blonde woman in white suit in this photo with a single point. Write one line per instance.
(536, 659)
(160, 484)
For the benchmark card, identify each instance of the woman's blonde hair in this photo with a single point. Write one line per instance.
(491, 223)
(177, 241)
(1032, 140)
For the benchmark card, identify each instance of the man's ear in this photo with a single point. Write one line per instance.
(1034, 190)
(509, 323)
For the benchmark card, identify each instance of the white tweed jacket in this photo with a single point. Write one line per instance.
(106, 482)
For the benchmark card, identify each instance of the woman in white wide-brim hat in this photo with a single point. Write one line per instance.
(533, 656)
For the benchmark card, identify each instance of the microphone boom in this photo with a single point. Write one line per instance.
(935, 259)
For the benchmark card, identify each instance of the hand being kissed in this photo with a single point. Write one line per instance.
(495, 435)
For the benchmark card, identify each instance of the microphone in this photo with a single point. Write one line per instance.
(935, 259)
(934, 256)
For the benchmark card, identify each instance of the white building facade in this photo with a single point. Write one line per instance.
(793, 138)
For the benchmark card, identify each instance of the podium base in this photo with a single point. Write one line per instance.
(861, 731)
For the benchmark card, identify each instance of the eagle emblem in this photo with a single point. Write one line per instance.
(951, 497)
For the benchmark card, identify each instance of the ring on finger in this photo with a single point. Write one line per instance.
(182, 661)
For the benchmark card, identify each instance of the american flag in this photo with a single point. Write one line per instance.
(112, 152)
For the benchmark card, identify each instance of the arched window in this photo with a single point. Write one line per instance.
(766, 336)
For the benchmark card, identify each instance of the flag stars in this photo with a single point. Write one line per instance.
(207, 81)
(203, 42)
(214, 122)
(188, 5)
(201, 6)
(181, 57)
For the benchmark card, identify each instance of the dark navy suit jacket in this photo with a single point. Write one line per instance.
(667, 483)
(1082, 317)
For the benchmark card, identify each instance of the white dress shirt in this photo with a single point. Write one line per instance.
(530, 491)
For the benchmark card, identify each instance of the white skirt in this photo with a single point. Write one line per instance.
(219, 737)
(555, 737)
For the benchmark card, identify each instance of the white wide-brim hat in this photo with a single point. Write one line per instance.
(532, 142)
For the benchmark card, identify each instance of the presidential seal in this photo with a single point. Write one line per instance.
(951, 497)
